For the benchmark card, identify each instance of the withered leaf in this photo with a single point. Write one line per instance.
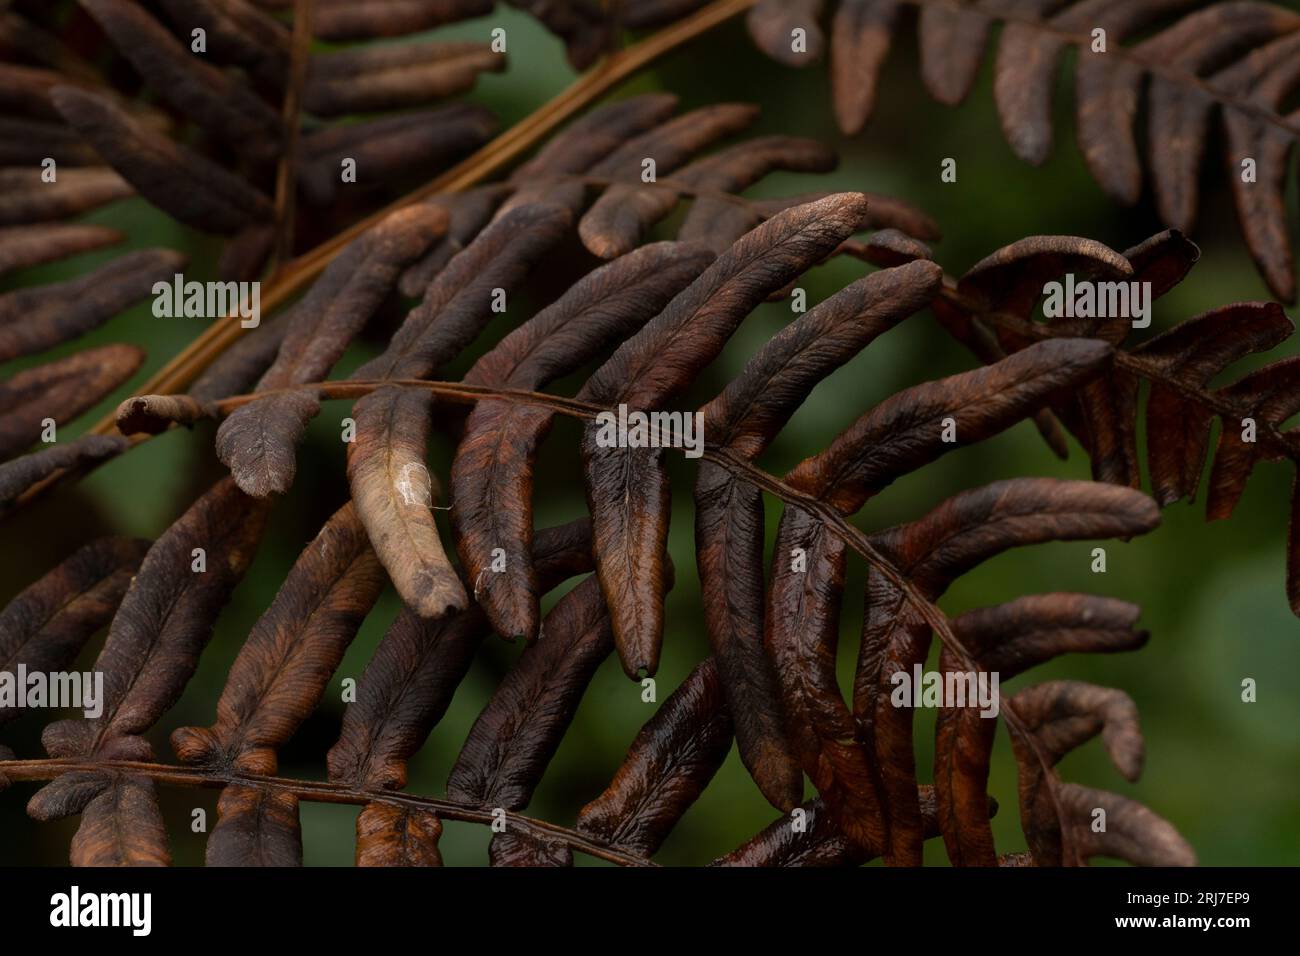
(25, 471)
(669, 764)
(60, 390)
(514, 848)
(467, 213)
(819, 843)
(386, 463)
(237, 33)
(40, 317)
(627, 489)
(964, 531)
(350, 20)
(256, 826)
(224, 106)
(860, 38)
(615, 223)
(293, 650)
(165, 619)
(391, 835)
(68, 794)
(1008, 640)
(258, 440)
(1192, 353)
(122, 827)
(374, 78)
(729, 526)
(47, 624)
(772, 24)
(494, 461)
(418, 665)
(185, 185)
(24, 198)
(519, 730)
(390, 148)
(23, 246)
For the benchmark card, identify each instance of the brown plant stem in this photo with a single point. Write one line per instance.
(286, 172)
(321, 791)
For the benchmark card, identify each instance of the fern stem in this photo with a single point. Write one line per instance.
(321, 791)
(286, 172)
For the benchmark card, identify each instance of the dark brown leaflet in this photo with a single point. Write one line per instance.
(222, 105)
(24, 246)
(165, 620)
(237, 33)
(389, 835)
(408, 684)
(391, 148)
(47, 624)
(1002, 293)
(801, 627)
(718, 223)
(819, 842)
(860, 38)
(1193, 352)
(370, 79)
(256, 826)
(182, 183)
(20, 474)
(933, 551)
(30, 142)
(494, 460)
(729, 513)
(627, 490)
(67, 795)
(616, 221)
(1007, 640)
(582, 145)
(257, 441)
(122, 826)
(40, 317)
(671, 761)
(350, 20)
(24, 198)
(60, 390)
(585, 26)
(519, 730)
(293, 650)
(390, 482)
(467, 213)
(524, 849)
(772, 24)
(1062, 715)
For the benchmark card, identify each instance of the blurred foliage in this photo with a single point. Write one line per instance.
(1220, 770)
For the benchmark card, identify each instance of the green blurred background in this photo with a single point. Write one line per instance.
(1222, 771)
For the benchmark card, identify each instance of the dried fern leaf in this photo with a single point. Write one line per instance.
(165, 620)
(185, 185)
(48, 623)
(293, 650)
(122, 826)
(354, 20)
(24, 246)
(627, 489)
(417, 667)
(378, 78)
(389, 835)
(256, 826)
(669, 764)
(40, 317)
(60, 390)
(494, 461)
(24, 198)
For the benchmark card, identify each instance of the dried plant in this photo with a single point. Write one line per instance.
(237, 144)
